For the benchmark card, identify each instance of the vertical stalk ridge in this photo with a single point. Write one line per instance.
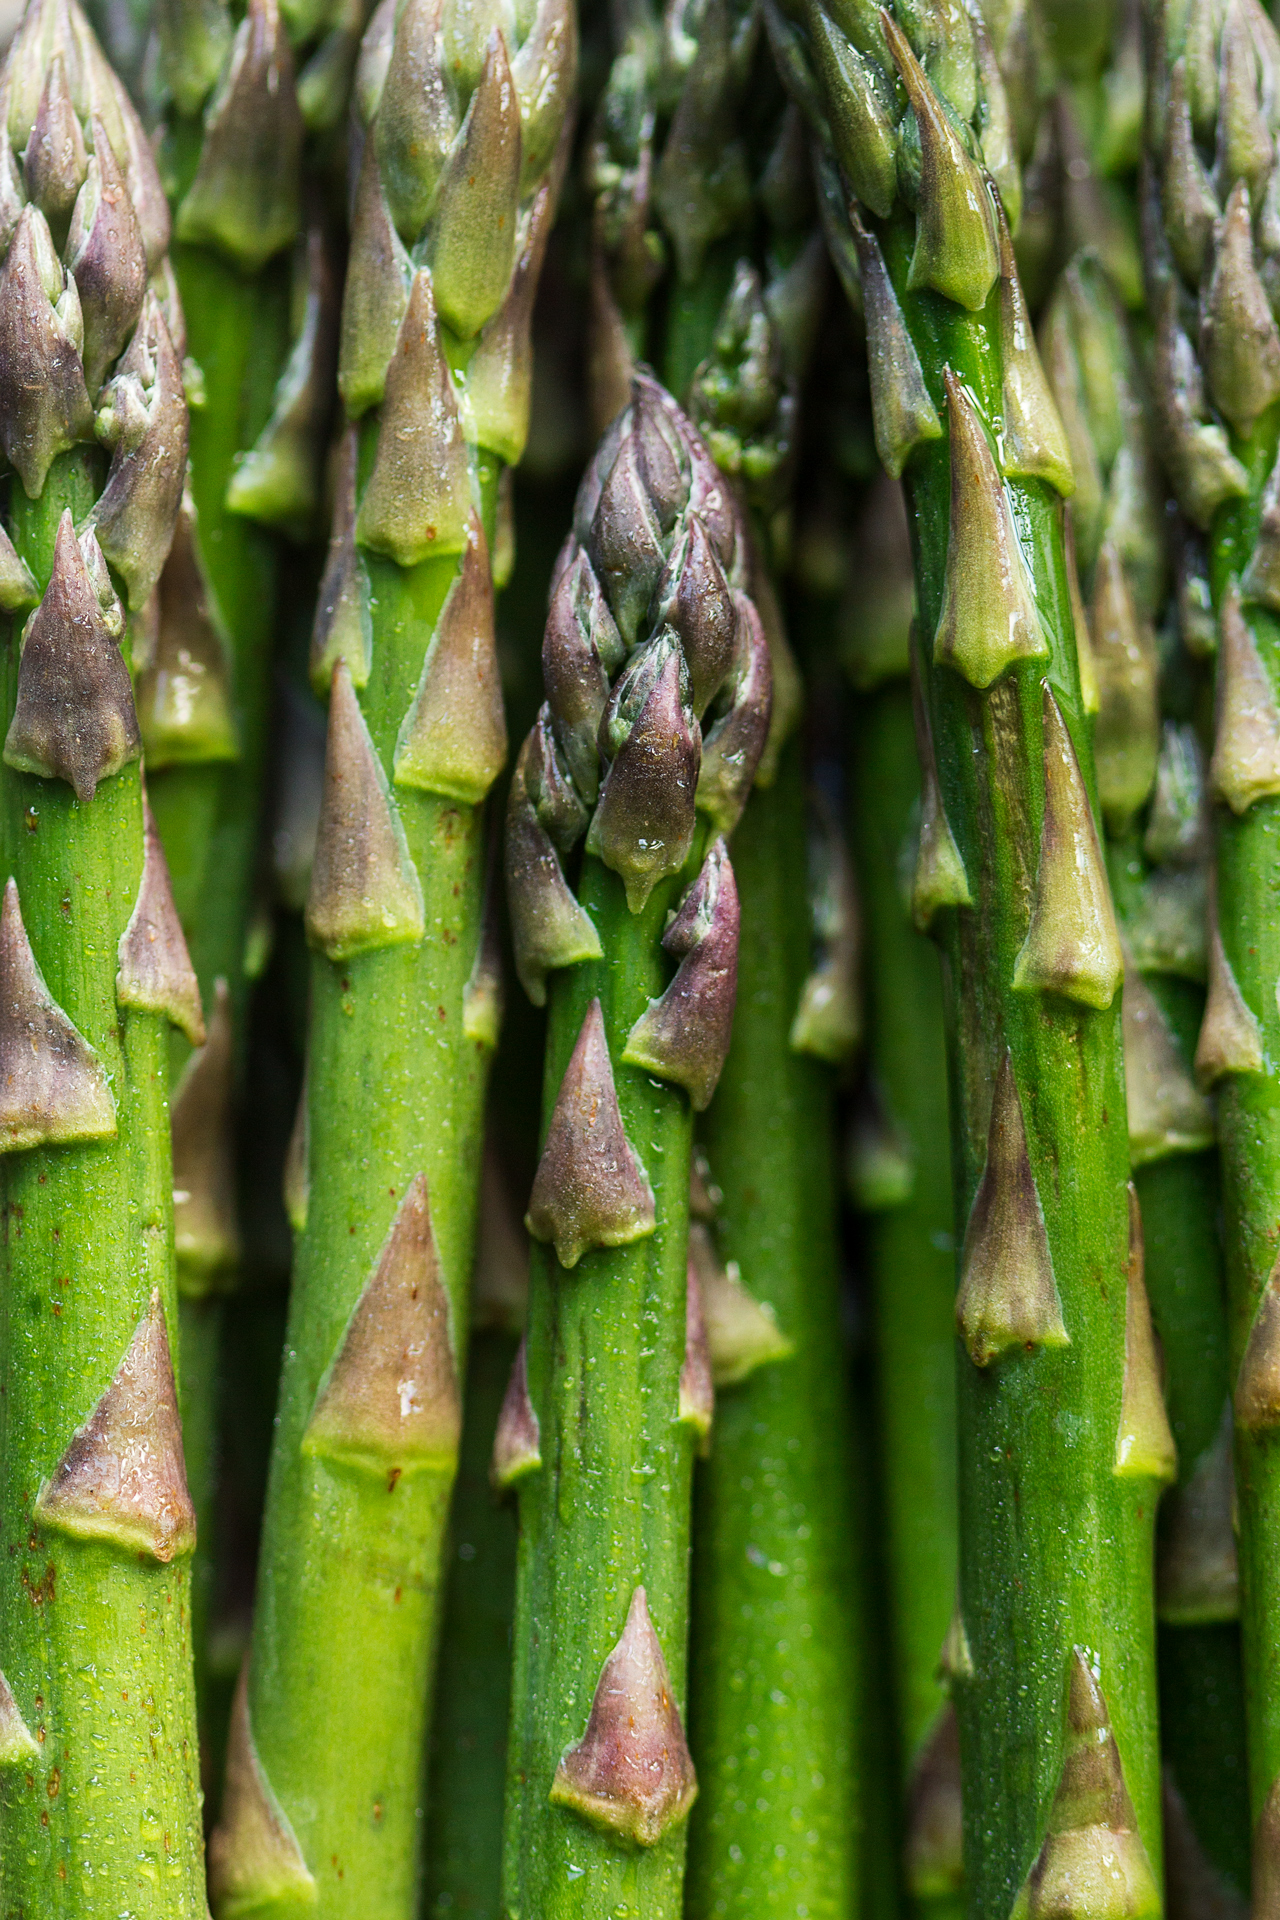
(460, 132)
(1054, 1367)
(99, 1764)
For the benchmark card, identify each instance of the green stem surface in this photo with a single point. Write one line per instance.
(910, 1245)
(609, 1509)
(1056, 1550)
(774, 1707)
(350, 1580)
(473, 1692)
(1249, 1137)
(96, 1636)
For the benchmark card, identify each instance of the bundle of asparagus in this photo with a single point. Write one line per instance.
(818, 1569)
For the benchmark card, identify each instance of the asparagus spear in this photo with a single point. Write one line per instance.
(1153, 796)
(685, 173)
(1062, 1431)
(462, 122)
(899, 1166)
(654, 663)
(1218, 415)
(99, 1778)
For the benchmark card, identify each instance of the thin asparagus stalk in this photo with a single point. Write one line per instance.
(462, 124)
(1218, 411)
(99, 1776)
(901, 1173)
(1062, 1430)
(654, 661)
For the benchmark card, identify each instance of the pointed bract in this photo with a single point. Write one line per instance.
(17, 1745)
(418, 500)
(590, 1189)
(500, 376)
(643, 823)
(52, 1084)
(122, 1478)
(255, 1861)
(391, 1398)
(631, 1774)
(939, 879)
(107, 259)
(955, 248)
(549, 928)
(1239, 341)
(74, 718)
(1126, 738)
(44, 402)
(933, 1863)
(902, 412)
(1072, 945)
(1198, 1575)
(365, 892)
(697, 1397)
(742, 1332)
(245, 199)
(1246, 746)
(736, 730)
(989, 618)
(1257, 1394)
(375, 295)
(1093, 1860)
(416, 125)
(1034, 444)
(1144, 1440)
(684, 1036)
(1008, 1295)
(453, 740)
(474, 232)
(205, 1229)
(1230, 1038)
(184, 689)
(1167, 1112)
(518, 1439)
(343, 628)
(155, 971)
(18, 589)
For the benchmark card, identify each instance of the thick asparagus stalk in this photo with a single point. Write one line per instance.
(1062, 1431)
(99, 1776)
(654, 662)
(899, 1166)
(1219, 419)
(462, 126)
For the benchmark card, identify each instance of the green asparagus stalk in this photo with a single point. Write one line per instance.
(1219, 417)
(777, 1608)
(900, 1173)
(462, 123)
(473, 1696)
(698, 183)
(1153, 798)
(1063, 1435)
(99, 1774)
(655, 663)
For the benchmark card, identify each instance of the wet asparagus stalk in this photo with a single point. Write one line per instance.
(99, 1774)
(1219, 420)
(899, 1169)
(1151, 784)
(657, 678)
(461, 128)
(1061, 1422)
(685, 173)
